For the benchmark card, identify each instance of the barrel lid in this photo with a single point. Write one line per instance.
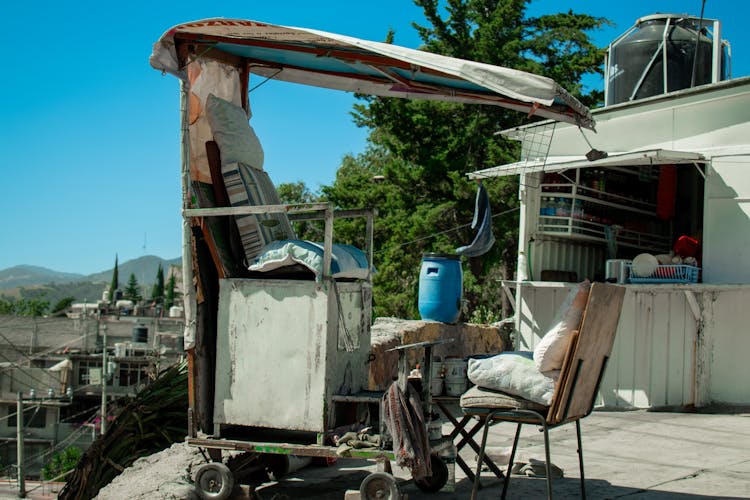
(450, 256)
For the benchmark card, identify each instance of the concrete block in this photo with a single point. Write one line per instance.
(387, 333)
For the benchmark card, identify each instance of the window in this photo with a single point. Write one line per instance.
(132, 374)
(33, 416)
(85, 374)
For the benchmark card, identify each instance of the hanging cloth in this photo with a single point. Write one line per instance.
(405, 421)
(484, 239)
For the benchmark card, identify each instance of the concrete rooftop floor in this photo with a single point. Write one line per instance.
(633, 455)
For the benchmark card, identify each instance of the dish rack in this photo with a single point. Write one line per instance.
(667, 273)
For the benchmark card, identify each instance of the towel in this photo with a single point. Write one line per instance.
(484, 239)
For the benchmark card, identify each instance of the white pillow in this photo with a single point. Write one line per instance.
(513, 373)
(232, 132)
(549, 353)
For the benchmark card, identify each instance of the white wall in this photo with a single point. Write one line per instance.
(726, 233)
(666, 353)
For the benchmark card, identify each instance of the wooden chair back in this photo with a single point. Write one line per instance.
(585, 360)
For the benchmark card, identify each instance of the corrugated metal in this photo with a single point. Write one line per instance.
(652, 363)
(587, 261)
(728, 342)
(652, 360)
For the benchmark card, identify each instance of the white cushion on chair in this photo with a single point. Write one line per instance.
(550, 351)
(513, 373)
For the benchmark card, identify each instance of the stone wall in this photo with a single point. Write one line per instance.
(387, 333)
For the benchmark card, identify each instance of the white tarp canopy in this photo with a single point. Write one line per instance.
(340, 62)
(557, 164)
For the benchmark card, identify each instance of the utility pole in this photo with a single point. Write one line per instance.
(19, 449)
(104, 379)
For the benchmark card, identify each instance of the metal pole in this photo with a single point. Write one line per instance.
(104, 380)
(19, 443)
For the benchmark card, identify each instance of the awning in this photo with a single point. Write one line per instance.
(557, 164)
(65, 364)
(340, 62)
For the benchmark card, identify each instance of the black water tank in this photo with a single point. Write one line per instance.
(631, 56)
(140, 334)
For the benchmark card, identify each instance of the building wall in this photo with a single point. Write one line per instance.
(726, 247)
(676, 345)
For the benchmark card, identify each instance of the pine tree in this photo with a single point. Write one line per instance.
(157, 292)
(170, 294)
(114, 284)
(132, 290)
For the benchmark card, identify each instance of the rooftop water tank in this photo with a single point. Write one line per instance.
(658, 55)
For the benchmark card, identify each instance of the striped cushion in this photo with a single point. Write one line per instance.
(248, 186)
(479, 397)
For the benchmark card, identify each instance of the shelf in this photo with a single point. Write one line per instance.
(572, 191)
(579, 229)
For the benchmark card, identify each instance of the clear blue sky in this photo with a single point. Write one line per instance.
(89, 143)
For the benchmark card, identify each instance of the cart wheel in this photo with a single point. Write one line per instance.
(380, 485)
(214, 481)
(437, 480)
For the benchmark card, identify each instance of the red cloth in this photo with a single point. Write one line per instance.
(666, 192)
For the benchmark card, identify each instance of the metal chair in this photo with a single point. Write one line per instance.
(576, 389)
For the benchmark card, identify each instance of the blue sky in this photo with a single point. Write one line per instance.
(89, 141)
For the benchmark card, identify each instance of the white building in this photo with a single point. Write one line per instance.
(678, 344)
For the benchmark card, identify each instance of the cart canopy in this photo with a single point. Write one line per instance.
(329, 60)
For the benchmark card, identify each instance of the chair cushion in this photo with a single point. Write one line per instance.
(232, 132)
(478, 397)
(550, 351)
(513, 373)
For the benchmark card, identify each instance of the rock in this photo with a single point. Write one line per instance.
(388, 333)
(166, 475)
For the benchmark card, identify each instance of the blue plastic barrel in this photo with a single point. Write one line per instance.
(440, 287)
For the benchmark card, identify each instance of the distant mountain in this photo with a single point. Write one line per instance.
(16, 276)
(144, 269)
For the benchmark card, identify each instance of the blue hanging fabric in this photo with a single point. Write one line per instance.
(484, 238)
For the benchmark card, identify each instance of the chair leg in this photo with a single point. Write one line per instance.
(508, 471)
(480, 458)
(580, 460)
(547, 466)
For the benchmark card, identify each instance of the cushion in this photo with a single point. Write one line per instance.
(346, 261)
(479, 397)
(248, 186)
(550, 351)
(513, 373)
(232, 132)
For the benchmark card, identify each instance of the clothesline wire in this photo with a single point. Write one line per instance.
(433, 235)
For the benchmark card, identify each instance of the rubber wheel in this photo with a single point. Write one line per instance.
(435, 482)
(378, 486)
(214, 481)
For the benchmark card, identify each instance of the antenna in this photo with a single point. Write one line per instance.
(144, 243)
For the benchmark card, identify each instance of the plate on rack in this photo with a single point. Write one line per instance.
(644, 265)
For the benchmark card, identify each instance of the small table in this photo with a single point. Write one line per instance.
(467, 436)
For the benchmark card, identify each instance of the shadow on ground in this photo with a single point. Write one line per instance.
(332, 483)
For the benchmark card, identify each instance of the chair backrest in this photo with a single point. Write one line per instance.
(587, 355)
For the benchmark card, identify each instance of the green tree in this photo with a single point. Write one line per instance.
(422, 150)
(170, 293)
(293, 193)
(61, 463)
(35, 306)
(115, 283)
(63, 304)
(157, 292)
(132, 290)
